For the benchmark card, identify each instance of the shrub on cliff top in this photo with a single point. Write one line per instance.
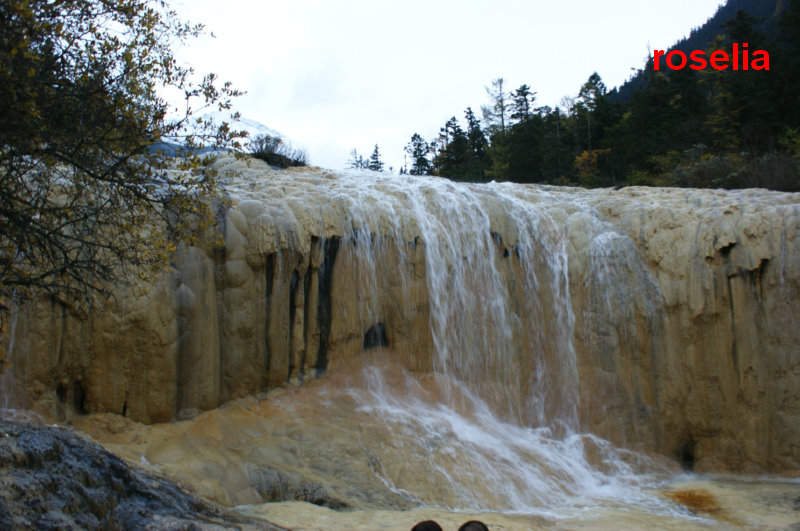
(275, 152)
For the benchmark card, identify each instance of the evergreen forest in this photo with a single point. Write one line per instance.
(690, 128)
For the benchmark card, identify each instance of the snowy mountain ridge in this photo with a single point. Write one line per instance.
(252, 127)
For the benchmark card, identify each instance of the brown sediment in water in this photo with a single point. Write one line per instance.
(696, 500)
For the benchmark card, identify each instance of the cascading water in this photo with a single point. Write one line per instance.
(501, 327)
(500, 429)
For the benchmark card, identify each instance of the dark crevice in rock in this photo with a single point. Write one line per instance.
(376, 337)
(79, 398)
(70, 399)
(61, 394)
(293, 282)
(734, 352)
(725, 251)
(269, 276)
(307, 288)
(330, 247)
(755, 278)
(686, 454)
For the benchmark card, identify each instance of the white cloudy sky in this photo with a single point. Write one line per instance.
(333, 75)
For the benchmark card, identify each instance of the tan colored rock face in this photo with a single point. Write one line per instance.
(661, 319)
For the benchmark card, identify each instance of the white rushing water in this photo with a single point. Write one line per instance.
(465, 458)
(515, 351)
(504, 433)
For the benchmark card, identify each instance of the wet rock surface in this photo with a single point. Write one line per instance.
(661, 319)
(52, 478)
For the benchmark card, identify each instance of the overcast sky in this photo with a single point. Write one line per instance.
(333, 75)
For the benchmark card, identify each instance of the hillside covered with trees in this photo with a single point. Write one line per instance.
(690, 127)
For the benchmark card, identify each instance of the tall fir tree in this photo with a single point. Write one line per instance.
(479, 148)
(475, 135)
(495, 115)
(375, 163)
(521, 106)
(589, 98)
(418, 149)
(453, 153)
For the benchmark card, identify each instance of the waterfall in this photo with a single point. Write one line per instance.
(500, 314)
(498, 426)
(484, 346)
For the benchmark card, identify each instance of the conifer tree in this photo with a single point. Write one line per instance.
(477, 140)
(418, 150)
(522, 101)
(375, 163)
(452, 157)
(479, 147)
(589, 98)
(496, 113)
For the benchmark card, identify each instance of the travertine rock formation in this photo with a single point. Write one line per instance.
(661, 319)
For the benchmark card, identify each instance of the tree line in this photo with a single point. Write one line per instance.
(693, 128)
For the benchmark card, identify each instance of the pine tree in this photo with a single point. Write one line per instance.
(522, 101)
(452, 157)
(418, 150)
(375, 163)
(588, 99)
(495, 114)
(479, 148)
(477, 140)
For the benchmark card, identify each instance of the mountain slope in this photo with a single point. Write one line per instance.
(766, 12)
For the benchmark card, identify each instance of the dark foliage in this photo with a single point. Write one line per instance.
(275, 152)
(698, 128)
